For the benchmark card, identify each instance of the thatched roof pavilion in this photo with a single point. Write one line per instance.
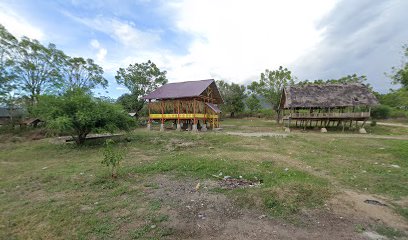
(186, 103)
(327, 103)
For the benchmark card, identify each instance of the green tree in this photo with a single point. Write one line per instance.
(271, 84)
(78, 113)
(140, 79)
(233, 95)
(130, 102)
(82, 73)
(37, 68)
(354, 78)
(253, 103)
(400, 74)
(8, 45)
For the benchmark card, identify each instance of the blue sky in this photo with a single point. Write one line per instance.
(232, 40)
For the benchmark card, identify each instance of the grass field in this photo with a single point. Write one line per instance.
(50, 190)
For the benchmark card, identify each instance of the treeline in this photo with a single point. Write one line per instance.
(57, 88)
(259, 97)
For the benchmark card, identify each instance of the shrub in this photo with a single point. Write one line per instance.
(381, 112)
(78, 113)
(112, 157)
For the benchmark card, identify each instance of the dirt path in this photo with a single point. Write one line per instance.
(258, 134)
(391, 124)
(276, 134)
(209, 215)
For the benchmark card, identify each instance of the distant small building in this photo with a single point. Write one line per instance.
(325, 104)
(32, 122)
(191, 105)
(7, 114)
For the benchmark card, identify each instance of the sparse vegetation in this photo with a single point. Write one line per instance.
(67, 186)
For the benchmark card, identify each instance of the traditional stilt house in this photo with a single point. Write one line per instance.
(326, 105)
(189, 105)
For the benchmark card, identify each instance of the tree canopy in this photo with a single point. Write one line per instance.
(82, 73)
(8, 44)
(140, 79)
(253, 103)
(233, 95)
(400, 74)
(271, 83)
(78, 113)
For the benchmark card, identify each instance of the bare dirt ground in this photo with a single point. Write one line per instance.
(205, 214)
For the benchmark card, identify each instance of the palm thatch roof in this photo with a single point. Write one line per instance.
(188, 89)
(327, 95)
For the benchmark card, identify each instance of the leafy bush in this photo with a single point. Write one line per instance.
(78, 113)
(381, 112)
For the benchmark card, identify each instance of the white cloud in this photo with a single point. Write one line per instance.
(95, 43)
(236, 40)
(232, 40)
(17, 25)
(124, 32)
(100, 56)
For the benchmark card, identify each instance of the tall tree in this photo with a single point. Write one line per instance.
(233, 95)
(400, 74)
(37, 68)
(8, 45)
(253, 103)
(82, 73)
(140, 79)
(270, 85)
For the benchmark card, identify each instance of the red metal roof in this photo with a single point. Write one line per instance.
(184, 90)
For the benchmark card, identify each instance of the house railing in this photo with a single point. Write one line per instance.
(329, 115)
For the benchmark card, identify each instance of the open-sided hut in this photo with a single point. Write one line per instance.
(191, 105)
(326, 104)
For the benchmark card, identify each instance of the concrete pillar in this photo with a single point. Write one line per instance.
(362, 130)
(287, 129)
(204, 128)
(149, 126)
(178, 127)
(161, 127)
(194, 129)
(323, 130)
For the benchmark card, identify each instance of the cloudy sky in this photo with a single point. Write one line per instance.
(232, 40)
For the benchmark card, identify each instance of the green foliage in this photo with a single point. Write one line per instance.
(78, 113)
(37, 68)
(271, 84)
(400, 74)
(112, 157)
(390, 232)
(82, 73)
(395, 98)
(30, 69)
(381, 112)
(131, 103)
(140, 79)
(253, 103)
(8, 44)
(354, 78)
(233, 95)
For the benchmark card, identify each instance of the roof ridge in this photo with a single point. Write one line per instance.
(211, 79)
